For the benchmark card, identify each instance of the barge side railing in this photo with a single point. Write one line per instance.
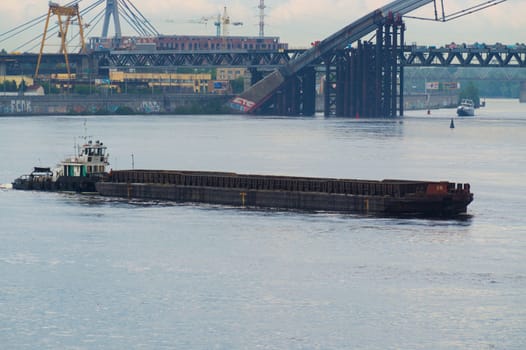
(392, 188)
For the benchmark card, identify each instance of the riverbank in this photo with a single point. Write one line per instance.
(113, 104)
(430, 101)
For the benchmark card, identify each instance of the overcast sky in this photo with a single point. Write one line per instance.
(297, 22)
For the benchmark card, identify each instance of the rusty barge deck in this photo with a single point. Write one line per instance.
(386, 197)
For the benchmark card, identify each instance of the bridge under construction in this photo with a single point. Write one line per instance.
(366, 80)
(361, 77)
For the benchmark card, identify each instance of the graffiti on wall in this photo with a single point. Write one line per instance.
(21, 106)
(150, 107)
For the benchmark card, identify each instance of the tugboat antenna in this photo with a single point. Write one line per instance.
(85, 137)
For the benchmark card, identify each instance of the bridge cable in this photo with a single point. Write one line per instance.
(136, 20)
(132, 19)
(55, 30)
(148, 23)
(30, 22)
(472, 9)
(96, 19)
(84, 12)
(458, 14)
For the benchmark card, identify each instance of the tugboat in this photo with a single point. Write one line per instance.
(466, 108)
(74, 174)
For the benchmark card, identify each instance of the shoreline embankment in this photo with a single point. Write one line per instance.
(70, 104)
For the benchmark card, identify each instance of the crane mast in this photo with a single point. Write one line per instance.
(261, 18)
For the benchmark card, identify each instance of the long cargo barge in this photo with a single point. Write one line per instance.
(86, 172)
(386, 197)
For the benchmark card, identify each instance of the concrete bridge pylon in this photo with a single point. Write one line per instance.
(112, 10)
(523, 92)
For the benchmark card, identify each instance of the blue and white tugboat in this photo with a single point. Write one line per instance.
(77, 173)
(466, 108)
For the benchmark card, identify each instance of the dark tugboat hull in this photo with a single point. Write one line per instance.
(461, 112)
(78, 184)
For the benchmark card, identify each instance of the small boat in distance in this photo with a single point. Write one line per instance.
(77, 173)
(466, 108)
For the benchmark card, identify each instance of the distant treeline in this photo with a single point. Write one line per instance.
(11, 86)
(490, 82)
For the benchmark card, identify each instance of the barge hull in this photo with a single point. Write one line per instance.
(290, 200)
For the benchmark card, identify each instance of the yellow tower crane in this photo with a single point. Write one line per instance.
(221, 22)
(69, 12)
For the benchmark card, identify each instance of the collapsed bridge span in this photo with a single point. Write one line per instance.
(355, 80)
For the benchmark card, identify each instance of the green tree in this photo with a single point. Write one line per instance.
(238, 85)
(82, 89)
(23, 86)
(9, 86)
(470, 91)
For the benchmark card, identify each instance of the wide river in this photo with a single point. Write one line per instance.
(83, 272)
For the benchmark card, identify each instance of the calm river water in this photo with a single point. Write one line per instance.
(81, 272)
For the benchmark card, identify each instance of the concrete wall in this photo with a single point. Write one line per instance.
(94, 104)
(414, 102)
(431, 101)
(522, 97)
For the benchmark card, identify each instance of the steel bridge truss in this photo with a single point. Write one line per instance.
(409, 56)
(259, 62)
(162, 59)
(465, 57)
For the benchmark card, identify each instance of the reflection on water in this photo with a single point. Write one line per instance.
(365, 128)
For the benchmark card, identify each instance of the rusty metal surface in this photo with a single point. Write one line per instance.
(392, 188)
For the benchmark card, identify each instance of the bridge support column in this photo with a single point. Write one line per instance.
(401, 70)
(308, 92)
(330, 86)
(523, 92)
(255, 75)
(297, 96)
(342, 83)
(387, 50)
(287, 98)
(84, 67)
(366, 81)
(355, 98)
